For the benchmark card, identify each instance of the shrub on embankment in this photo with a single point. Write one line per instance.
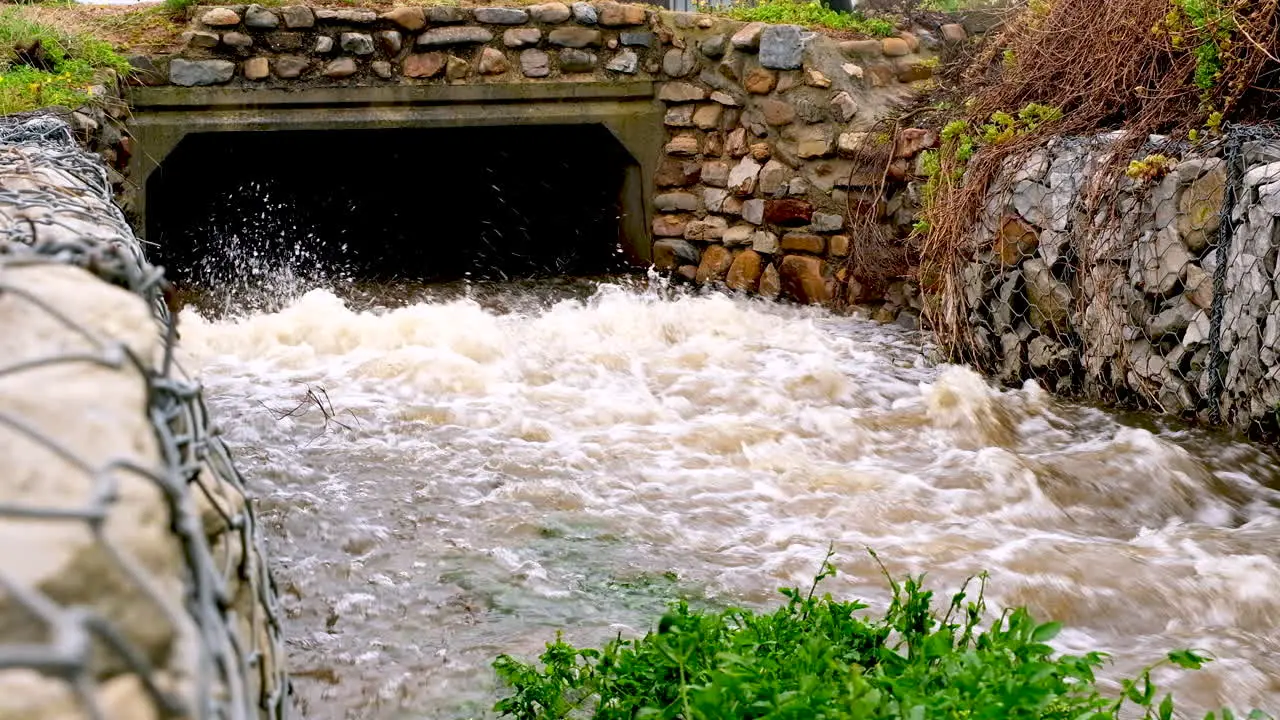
(44, 65)
(815, 657)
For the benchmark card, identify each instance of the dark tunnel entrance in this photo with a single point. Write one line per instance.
(482, 203)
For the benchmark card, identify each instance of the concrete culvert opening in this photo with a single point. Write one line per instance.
(231, 209)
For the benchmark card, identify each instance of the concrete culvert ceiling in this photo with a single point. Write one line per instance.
(395, 204)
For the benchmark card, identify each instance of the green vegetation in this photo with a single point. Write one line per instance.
(815, 658)
(809, 14)
(58, 67)
(1205, 26)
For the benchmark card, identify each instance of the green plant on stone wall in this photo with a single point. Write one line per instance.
(809, 14)
(817, 657)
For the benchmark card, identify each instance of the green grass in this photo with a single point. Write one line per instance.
(816, 658)
(809, 14)
(75, 58)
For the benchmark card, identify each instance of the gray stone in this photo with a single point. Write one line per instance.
(679, 116)
(714, 47)
(843, 107)
(1159, 262)
(237, 40)
(676, 202)
(1050, 298)
(798, 186)
(827, 222)
(725, 99)
(500, 15)
(357, 43)
(753, 211)
(636, 38)
(289, 67)
(260, 18)
(1029, 201)
(574, 37)
(1268, 173)
(535, 63)
(742, 178)
(552, 13)
(1198, 287)
(573, 61)
(678, 63)
(446, 14)
(781, 47)
(715, 173)
(324, 45)
(521, 37)
(774, 178)
(381, 68)
(677, 92)
(1197, 330)
(1172, 320)
(190, 73)
(708, 229)
(200, 39)
(391, 41)
(437, 37)
(810, 110)
(347, 15)
(584, 13)
(748, 38)
(492, 62)
(713, 199)
(626, 61)
(738, 235)
(763, 241)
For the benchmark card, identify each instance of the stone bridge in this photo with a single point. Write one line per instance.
(724, 147)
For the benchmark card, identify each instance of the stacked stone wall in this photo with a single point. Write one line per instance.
(1166, 294)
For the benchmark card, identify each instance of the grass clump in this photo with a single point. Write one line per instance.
(814, 657)
(44, 66)
(808, 14)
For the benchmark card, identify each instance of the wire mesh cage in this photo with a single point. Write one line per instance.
(1148, 280)
(132, 577)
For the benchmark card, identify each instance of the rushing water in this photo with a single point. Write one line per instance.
(447, 474)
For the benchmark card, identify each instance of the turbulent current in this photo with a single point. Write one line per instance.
(447, 474)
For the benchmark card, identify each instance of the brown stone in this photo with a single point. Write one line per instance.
(341, 68)
(456, 69)
(221, 17)
(199, 39)
(683, 144)
(861, 48)
(669, 254)
(879, 74)
(679, 116)
(679, 173)
(761, 151)
(390, 41)
(803, 242)
(612, 14)
(708, 229)
(736, 145)
(716, 261)
(814, 141)
(285, 41)
(1200, 208)
(838, 246)
(911, 141)
(256, 68)
(954, 33)
(715, 173)
(910, 71)
(688, 272)
(409, 18)
(575, 37)
(381, 68)
(744, 273)
(895, 47)
(913, 42)
(289, 67)
(424, 65)
(678, 92)
(770, 283)
(814, 78)
(787, 80)
(777, 112)
(707, 117)
(521, 37)
(802, 279)
(1016, 240)
(492, 62)
(714, 147)
(236, 40)
(761, 81)
(789, 211)
(748, 38)
(670, 225)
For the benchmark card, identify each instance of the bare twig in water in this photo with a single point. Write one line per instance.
(315, 397)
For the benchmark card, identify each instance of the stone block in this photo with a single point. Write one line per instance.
(714, 47)
(684, 144)
(760, 81)
(670, 225)
(237, 40)
(381, 68)
(742, 178)
(256, 68)
(770, 283)
(324, 45)
(445, 36)
(220, 17)
(535, 63)
(802, 279)
(576, 61)
(781, 47)
(679, 116)
(737, 235)
(838, 246)
(192, 73)
(676, 202)
(612, 14)
(679, 63)
(789, 211)
(342, 67)
(349, 16)
(736, 144)
(446, 14)
(391, 41)
(424, 65)
(500, 15)
(575, 37)
(725, 99)
(895, 47)
(747, 39)
(815, 78)
(716, 173)
(803, 242)
(827, 222)
(260, 18)
(716, 261)
(774, 178)
(777, 112)
(678, 92)
(408, 18)
(552, 13)
(861, 48)
(753, 211)
(492, 62)
(843, 107)
(636, 38)
(879, 74)
(288, 67)
(713, 199)
(521, 37)
(673, 172)
(584, 13)
(200, 39)
(744, 273)
(671, 253)
(708, 229)
(356, 43)
(763, 241)
(626, 61)
(707, 117)
(954, 33)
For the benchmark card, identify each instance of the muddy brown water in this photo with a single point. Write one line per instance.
(479, 466)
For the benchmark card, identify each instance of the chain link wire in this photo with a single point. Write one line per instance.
(1149, 282)
(92, 631)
